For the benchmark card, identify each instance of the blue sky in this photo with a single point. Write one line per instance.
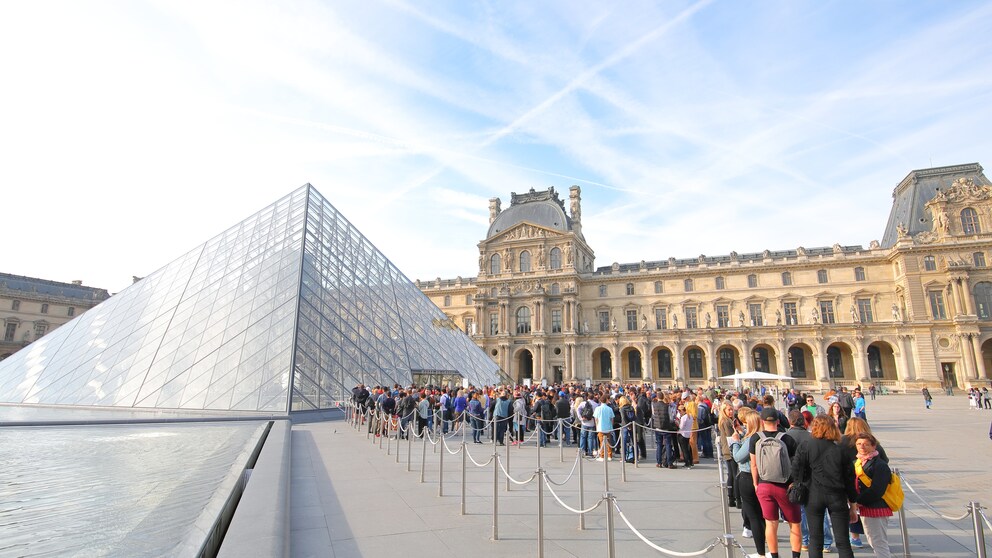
(130, 131)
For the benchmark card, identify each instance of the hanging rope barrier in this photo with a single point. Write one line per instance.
(712, 545)
(477, 464)
(570, 508)
(927, 504)
(562, 483)
(513, 480)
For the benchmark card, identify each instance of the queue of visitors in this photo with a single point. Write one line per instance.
(816, 466)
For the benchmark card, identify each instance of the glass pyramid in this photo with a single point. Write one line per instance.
(286, 311)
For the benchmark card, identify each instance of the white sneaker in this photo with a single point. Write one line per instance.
(599, 459)
(747, 534)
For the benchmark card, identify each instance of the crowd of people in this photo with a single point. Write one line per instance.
(824, 445)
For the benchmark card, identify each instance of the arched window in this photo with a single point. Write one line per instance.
(664, 363)
(525, 261)
(634, 364)
(969, 221)
(929, 263)
(835, 365)
(605, 365)
(494, 263)
(983, 300)
(786, 278)
(797, 361)
(555, 289)
(630, 289)
(875, 362)
(555, 258)
(760, 357)
(523, 319)
(726, 361)
(695, 363)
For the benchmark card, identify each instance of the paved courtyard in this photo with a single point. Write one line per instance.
(350, 498)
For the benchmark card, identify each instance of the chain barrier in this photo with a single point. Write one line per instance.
(927, 504)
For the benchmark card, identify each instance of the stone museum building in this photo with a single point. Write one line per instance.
(913, 309)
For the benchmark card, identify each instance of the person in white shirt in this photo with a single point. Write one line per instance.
(604, 425)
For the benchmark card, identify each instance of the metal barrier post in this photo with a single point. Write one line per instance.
(409, 443)
(398, 431)
(606, 461)
(976, 518)
(388, 436)
(637, 449)
(507, 480)
(368, 431)
(378, 430)
(440, 467)
(495, 496)
(728, 534)
(582, 493)
(423, 456)
(903, 528)
(464, 464)
(610, 527)
(561, 440)
(540, 512)
(540, 426)
(623, 455)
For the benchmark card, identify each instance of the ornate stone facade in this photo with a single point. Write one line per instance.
(913, 310)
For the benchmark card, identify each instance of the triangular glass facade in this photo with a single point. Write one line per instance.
(217, 328)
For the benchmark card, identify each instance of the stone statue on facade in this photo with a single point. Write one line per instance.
(815, 315)
(507, 259)
(568, 254)
(896, 314)
(854, 315)
(940, 220)
(585, 326)
(778, 317)
(902, 231)
(540, 257)
(613, 323)
(482, 263)
(644, 321)
(740, 318)
(675, 321)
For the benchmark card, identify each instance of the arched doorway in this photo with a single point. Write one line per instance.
(663, 363)
(631, 359)
(525, 366)
(801, 361)
(729, 359)
(881, 361)
(602, 364)
(840, 362)
(695, 363)
(763, 359)
(986, 369)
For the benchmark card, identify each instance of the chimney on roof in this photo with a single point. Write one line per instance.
(77, 282)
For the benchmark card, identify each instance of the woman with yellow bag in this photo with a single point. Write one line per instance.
(872, 477)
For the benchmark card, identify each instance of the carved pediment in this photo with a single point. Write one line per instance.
(926, 237)
(526, 230)
(964, 190)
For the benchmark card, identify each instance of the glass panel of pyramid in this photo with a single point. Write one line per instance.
(287, 310)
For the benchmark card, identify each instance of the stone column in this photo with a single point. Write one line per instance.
(615, 359)
(903, 373)
(969, 304)
(822, 368)
(539, 364)
(860, 362)
(712, 359)
(538, 317)
(979, 361)
(783, 359)
(745, 348)
(567, 315)
(969, 356)
(647, 367)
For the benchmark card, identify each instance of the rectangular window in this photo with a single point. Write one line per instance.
(859, 274)
(631, 320)
(821, 276)
(752, 281)
(468, 299)
(979, 258)
(44, 308)
(937, 305)
(791, 313)
(786, 279)
(71, 311)
(40, 330)
(604, 321)
(9, 332)
(661, 318)
(658, 287)
(469, 322)
(602, 290)
(827, 312)
(556, 320)
(15, 305)
(691, 321)
(929, 263)
(688, 285)
(864, 310)
(630, 289)
(493, 323)
(720, 284)
(723, 316)
(755, 311)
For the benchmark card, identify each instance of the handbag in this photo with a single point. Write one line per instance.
(798, 493)
(893, 496)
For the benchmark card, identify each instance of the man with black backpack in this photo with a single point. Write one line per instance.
(664, 426)
(771, 470)
(545, 416)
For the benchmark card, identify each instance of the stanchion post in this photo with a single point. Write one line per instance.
(388, 436)
(903, 528)
(637, 449)
(368, 431)
(976, 517)
(507, 465)
(464, 465)
(561, 440)
(423, 456)
(440, 467)
(611, 545)
(728, 534)
(397, 439)
(409, 443)
(540, 512)
(495, 496)
(623, 455)
(582, 492)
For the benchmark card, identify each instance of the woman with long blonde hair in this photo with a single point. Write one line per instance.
(754, 523)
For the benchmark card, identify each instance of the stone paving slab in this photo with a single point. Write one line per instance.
(350, 498)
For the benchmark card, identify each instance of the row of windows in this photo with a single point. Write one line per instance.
(10, 331)
(727, 358)
(930, 262)
(524, 261)
(688, 285)
(15, 305)
(468, 300)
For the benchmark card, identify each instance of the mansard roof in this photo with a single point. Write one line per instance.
(919, 187)
(543, 208)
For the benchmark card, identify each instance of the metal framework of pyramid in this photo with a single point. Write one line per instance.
(286, 311)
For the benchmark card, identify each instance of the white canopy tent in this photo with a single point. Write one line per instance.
(755, 378)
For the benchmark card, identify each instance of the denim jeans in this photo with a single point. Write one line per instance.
(587, 440)
(663, 451)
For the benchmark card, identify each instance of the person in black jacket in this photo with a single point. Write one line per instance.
(873, 509)
(661, 420)
(643, 411)
(819, 463)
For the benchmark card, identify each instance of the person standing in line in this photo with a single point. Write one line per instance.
(846, 401)
(820, 464)
(725, 429)
(859, 405)
(585, 415)
(837, 413)
(519, 418)
(754, 523)
(684, 419)
(872, 479)
(771, 453)
(476, 412)
(424, 410)
(603, 416)
(857, 426)
(643, 410)
(663, 425)
(927, 398)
